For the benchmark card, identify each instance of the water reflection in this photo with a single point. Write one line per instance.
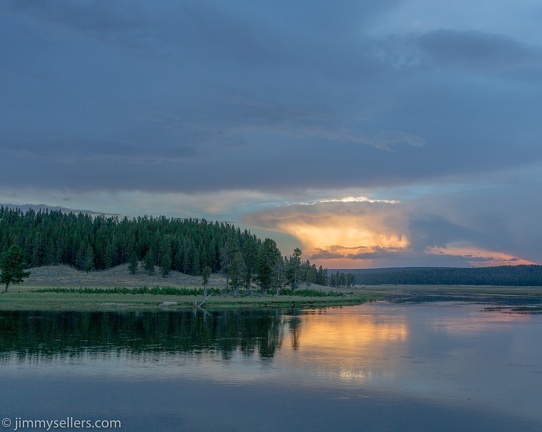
(446, 358)
(335, 345)
(42, 334)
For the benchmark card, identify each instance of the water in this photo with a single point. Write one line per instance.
(376, 367)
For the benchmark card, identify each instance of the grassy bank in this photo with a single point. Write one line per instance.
(46, 296)
(143, 298)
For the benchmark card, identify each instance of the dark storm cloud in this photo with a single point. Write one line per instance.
(324, 254)
(204, 95)
(480, 52)
(435, 230)
(118, 21)
(376, 254)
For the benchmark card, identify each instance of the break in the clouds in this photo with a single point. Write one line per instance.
(362, 232)
(274, 103)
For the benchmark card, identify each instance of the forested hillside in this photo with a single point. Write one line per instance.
(90, 242)
(523, 275)
(98, 242)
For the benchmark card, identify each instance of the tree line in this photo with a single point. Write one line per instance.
(521, 275)
(191, 246)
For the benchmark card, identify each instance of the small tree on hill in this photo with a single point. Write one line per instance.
(205, 274)
(132, 267)
(88, 263)
(12, 265)
(165, 265)
(149, 262)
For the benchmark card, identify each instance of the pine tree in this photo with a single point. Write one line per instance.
(89, 259)
(268, 264)
(109, 256)
(205, 274)
(237, 270)
(12, 265)
(149, 262)
(165, 265)
(196, 266)
(132, 267)
(293, 267)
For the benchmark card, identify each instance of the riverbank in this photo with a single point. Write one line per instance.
(508, 299)
(117, 289)
(66, 289)
(34, 298)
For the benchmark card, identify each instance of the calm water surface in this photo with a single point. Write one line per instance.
(375, 367)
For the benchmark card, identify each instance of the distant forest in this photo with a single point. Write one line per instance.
(522, 275)
(191, 246)
(90, 242)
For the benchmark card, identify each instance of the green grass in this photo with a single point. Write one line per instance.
(311, 293)
(145, 298)
(140, 290)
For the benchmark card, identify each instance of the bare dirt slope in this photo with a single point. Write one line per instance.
(65, 276)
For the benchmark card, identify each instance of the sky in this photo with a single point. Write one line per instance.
(369, 134)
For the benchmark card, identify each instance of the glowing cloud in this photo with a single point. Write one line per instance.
(478, 257)
(347, 228)
(360, 232)
(350, 199)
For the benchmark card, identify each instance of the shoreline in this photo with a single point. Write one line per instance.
(42, 298)
(39, 299)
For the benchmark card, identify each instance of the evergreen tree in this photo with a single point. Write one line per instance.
(149, 262)
(109, 258)
(226, 257)
(269, 260)
(196, 266)
(89, 242)
(205, 274)
(249, 249)
(132, 267)
(165, 265)
(187, 263)
(237, 270)
(89, 259)
(12, 265)
(293, 267)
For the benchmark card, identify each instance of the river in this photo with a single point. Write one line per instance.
(444, 366)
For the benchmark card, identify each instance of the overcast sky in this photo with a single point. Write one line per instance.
(369, 133)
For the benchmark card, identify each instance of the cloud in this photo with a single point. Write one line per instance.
(83, 152)
(350, 199)
(343, 228)
(355, 253)
(479, 51)
(433, 229)
(118, 22)
(271, 103)
(321, 254)
(478, 257)
(203, 97)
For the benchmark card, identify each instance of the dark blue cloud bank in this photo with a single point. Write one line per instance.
(285, 100)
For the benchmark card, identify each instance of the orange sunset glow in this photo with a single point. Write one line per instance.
(353, 332)
(343, 237)
(358, 232)
(479, 257)
(337, 343)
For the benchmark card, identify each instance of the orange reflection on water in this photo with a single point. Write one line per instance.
(349, 332)
(347, 346)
